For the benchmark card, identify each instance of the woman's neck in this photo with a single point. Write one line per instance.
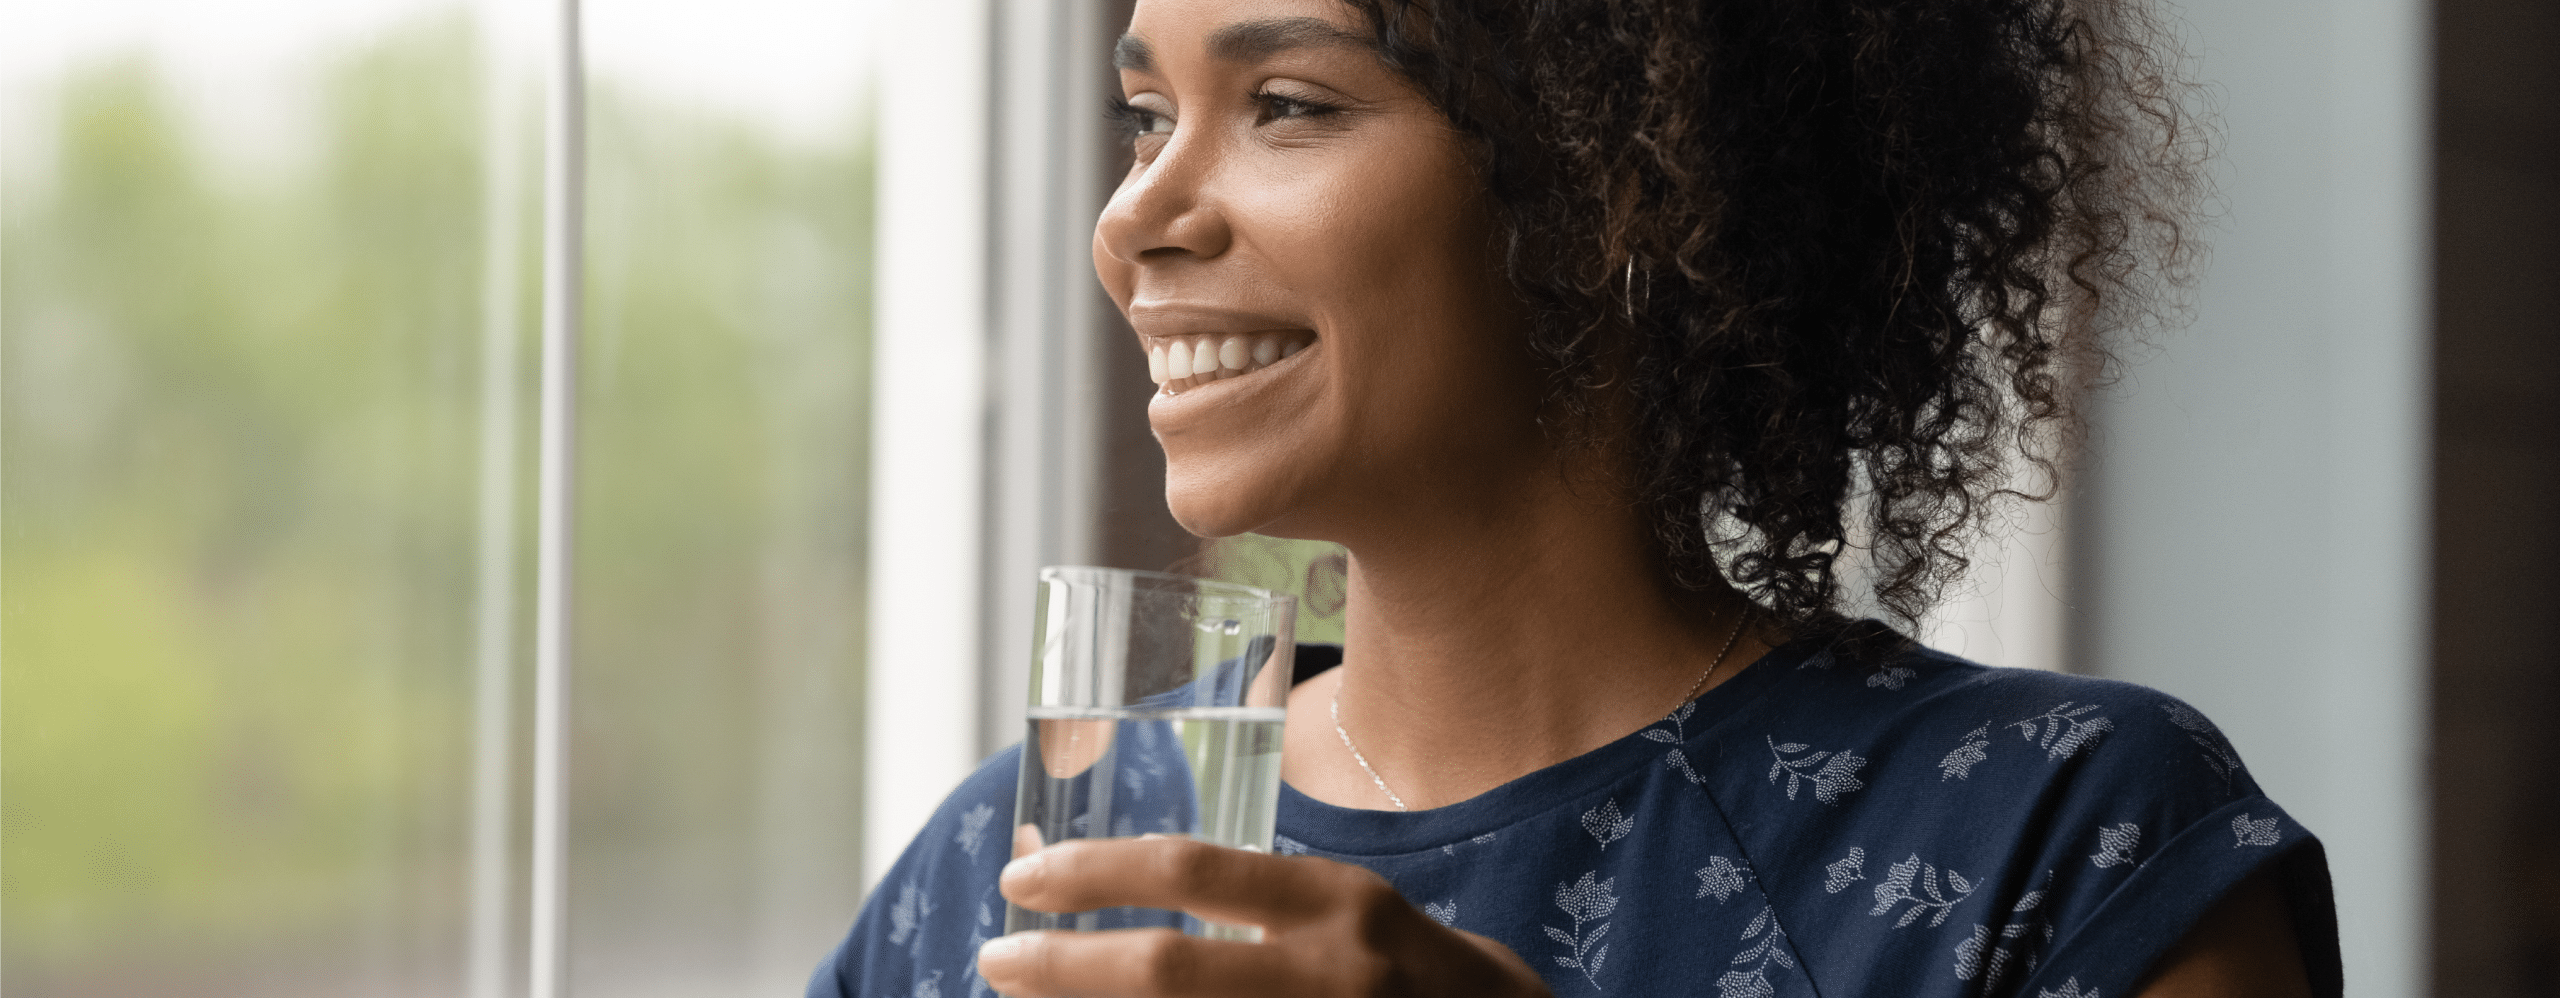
(1484, 648)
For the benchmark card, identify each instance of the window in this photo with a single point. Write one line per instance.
(272, 295)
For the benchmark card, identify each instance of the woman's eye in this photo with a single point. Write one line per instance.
(1277, 106)
(1135, 121)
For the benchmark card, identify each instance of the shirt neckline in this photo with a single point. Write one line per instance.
(1345, 831)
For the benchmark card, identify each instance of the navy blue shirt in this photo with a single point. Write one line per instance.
(1920, 827)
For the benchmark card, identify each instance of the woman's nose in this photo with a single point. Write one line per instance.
(1162, 210)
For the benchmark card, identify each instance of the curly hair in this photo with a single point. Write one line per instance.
(1840, 267)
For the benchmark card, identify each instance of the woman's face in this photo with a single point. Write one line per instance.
(1302, 237)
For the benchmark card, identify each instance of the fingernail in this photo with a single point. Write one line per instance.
(1003, 948)
(1027, 866)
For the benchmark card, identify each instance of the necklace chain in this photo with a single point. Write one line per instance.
(1692, 694)
(1355, 752)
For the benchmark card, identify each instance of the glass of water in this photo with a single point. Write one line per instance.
(1156, 708)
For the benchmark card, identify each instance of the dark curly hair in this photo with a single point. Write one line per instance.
(1842, 266)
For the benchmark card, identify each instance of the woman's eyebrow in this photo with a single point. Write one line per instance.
(1254, 41)
(1247, 41)
(1132, 53)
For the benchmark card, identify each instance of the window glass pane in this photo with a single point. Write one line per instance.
(246, 295)
(716, 680)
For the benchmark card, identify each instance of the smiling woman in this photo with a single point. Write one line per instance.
(1308, 202)
(1599, 333)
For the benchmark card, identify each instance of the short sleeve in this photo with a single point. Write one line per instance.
(919, 932)
(2006, 833)
(2170, 822)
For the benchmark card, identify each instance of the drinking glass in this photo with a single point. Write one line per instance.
(1156, 707)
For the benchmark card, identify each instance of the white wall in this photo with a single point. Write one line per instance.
(2257, 541)
(2010, 608)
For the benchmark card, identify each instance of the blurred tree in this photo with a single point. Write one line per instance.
(239, 428)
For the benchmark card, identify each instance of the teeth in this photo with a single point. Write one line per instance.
(1181, 365)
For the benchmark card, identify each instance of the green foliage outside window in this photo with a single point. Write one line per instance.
(241, 425)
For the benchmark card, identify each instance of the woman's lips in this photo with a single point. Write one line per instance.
(1181, 363)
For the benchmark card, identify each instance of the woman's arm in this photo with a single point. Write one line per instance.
(2243, 948)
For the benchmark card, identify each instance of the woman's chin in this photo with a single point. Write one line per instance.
(1222, 505)
(1211, 515)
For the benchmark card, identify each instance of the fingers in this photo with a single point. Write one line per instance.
(1219, 884)
(1162, 963)
(1026, 840)
(1131, 963)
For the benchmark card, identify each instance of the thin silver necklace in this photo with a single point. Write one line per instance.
(1381, 781)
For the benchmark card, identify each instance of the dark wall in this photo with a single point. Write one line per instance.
(1136, 530)
(2496, 764)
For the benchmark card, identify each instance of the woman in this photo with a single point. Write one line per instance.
(1597, 331)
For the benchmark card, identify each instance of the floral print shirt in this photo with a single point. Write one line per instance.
(1918, 827)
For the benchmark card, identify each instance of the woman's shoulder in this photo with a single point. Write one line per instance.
(2039, 804)
(967, 835)
(1934, 727)
(1921, 695)
(926, 917)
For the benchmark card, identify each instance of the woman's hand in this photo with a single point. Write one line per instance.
(1328, 929)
